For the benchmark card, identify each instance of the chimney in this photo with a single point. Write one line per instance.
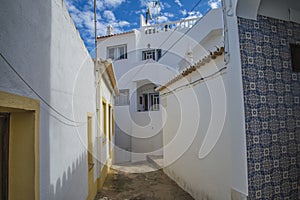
(142, 21)
(110, 30)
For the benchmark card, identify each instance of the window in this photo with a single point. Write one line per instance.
(117, 52)
(123, 98)
(152, 54)
(149, 55)
(148, 98)
(149, 102)
(154, 101)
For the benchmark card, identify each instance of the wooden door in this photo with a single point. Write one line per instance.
(4, 154)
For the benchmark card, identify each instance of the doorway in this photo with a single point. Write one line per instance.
(19, 129)
(4, 154)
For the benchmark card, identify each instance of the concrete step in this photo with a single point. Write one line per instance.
(156, 161)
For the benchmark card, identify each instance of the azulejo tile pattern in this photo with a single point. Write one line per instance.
(272, 108)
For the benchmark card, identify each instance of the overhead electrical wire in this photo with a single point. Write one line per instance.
(194, 7)
(61, 121)
(62, 115)
(37, 94)
(200, 80)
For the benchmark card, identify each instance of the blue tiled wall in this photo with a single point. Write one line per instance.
(272, 108)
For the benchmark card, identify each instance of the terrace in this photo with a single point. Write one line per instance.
(169, 26)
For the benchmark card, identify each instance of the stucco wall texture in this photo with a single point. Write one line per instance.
(41, 42)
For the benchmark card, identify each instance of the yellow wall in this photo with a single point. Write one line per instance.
(104, 121)
(103, 176)
(21, 156)
(92, 185)
(23, 145)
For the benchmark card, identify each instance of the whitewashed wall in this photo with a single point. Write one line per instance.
(133, 71)
(144, 139)
(225, 168)
(203, 122)
(107, 95)
(41, 42)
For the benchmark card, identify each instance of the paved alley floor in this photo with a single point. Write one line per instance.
(140, 182)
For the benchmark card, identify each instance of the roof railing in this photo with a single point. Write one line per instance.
(169, 26)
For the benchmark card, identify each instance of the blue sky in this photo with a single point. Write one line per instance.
(124, 15)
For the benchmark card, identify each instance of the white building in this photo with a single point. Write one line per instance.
(237, 136)
(56, 129)
(143, 59)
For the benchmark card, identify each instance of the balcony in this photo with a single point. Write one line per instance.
(169, 26)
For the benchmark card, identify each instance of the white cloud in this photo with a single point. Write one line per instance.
(101, 28)
(109, 15)
(100, 5)
(83, 17)
(154, 9)
(167, 5)
(194, 14)
(113, 3)
(167, 14)
(214, 4)
(123, 23)
(144, 3)
(162, 19)
(183, 12)
(178, 3)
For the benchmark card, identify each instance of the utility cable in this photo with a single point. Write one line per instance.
(36, 93)
(195, 6)
(167, 39)
(195, 82)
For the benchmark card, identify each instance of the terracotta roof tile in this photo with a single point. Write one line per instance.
(213, 55)
(117, 34)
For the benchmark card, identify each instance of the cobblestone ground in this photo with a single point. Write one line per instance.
(154, 185)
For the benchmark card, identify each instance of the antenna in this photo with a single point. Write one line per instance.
(157, 5)
(149, 16)
(149, 12)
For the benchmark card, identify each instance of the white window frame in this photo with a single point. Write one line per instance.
(151, 54)
(116, 52)
(153, 101)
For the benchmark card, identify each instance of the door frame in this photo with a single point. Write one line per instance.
(16, 103)
(92, 184)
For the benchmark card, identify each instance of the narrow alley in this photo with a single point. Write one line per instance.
(125, 182)
(149, 100)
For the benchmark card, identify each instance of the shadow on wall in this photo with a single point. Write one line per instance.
(65, 187)
(29, 53)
